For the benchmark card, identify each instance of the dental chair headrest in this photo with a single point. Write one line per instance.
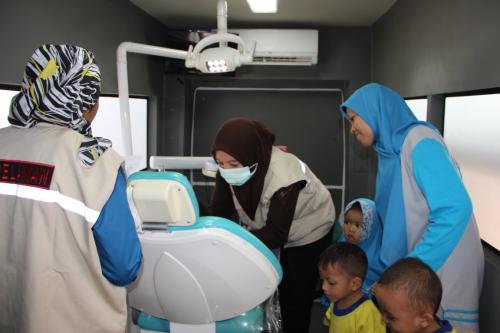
(163, 197)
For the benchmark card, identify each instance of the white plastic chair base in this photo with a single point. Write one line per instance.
(182, 328)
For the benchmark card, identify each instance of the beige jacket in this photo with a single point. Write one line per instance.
(314, 213)
(51, 278)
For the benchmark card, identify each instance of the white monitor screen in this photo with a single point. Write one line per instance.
(419, 107)
(472, 135)
(106, 124)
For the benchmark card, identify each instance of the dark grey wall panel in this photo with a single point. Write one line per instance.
(99, 25)
(435, 111)
(424, 47)
(304, 120)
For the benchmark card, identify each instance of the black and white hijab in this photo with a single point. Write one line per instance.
(60, 84)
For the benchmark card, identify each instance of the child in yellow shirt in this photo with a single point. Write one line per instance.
(343, 268)
(408, 295)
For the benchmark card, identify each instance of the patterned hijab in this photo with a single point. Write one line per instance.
(60, 84)
(371, 239)
(249, 142)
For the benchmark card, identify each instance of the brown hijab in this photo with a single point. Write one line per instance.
(249, 142)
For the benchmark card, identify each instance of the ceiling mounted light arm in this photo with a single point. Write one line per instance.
(221, 16)
(219, 59)
(122, 75)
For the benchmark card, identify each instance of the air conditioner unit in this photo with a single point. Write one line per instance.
(281, 47)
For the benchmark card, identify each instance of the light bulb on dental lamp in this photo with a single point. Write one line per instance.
(219, 59)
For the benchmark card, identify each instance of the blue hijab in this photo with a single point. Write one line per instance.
(371, 239)
(390, 120)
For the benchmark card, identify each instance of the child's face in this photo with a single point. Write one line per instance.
(336, 283)
(353, 226)
(397, 311)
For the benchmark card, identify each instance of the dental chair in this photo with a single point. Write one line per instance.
(200, 274)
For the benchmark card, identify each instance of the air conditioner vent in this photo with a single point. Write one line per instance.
(259, 60)
(291, 47)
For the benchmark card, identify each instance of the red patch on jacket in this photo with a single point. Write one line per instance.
(26, 173)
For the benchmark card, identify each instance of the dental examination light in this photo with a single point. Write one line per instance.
(219, 59)
(206, 56)
(222, 58)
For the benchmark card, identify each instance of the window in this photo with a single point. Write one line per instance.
(5, 98)
(472, 135)
(107, 123)
(419, 107)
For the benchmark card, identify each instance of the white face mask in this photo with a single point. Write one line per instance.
(237, 176)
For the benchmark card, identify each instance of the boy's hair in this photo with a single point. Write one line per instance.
(420, 283)
(349, 257)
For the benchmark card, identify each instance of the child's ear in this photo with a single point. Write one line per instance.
(356, 283)
(425, 319)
